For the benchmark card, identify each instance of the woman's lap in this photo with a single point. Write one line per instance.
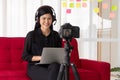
(43, 72)
(36, 72)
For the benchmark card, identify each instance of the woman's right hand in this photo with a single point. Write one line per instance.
(36, 58)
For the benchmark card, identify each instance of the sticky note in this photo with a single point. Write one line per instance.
(71, 5)
(114, 8)
(112, 15)
(84, 4)
(78, 0)
(68, 11)
(84, 0)
(64, 4)
(105, 6)
(96, 10)
(100, 0)
(78, 5)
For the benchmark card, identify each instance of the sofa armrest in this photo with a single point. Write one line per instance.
(102, 67)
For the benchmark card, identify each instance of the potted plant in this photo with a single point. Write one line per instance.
(115, 72)
(115, 69)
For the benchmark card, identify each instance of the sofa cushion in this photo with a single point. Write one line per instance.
(86, 74)
(89, 74)
(5, 66)
(16, 53)
(5, 57)
(4, 50)
(13, 75)
(16, 49)
(14, 78)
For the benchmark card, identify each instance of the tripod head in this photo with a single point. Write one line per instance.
(68, 45)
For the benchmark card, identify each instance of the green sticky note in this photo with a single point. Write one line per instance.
(114, 8)
(71, 5)
(84, 0)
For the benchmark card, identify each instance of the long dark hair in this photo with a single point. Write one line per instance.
(44, 10)
(41, 11)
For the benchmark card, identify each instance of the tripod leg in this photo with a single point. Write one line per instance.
(66, 72)
(61, 72)
(75, 71)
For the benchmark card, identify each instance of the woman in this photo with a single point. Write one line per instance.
(42, 36)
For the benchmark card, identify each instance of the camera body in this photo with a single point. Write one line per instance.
(68, 31)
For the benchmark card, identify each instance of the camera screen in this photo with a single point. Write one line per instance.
(67, 32)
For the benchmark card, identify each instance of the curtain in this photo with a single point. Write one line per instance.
(17, 17)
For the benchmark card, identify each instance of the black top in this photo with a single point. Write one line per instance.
(35, 42)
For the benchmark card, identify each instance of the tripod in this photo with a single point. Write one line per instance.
(64, 68)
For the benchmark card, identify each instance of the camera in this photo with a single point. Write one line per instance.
(68, 31)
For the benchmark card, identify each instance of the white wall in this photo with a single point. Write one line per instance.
(118, 32)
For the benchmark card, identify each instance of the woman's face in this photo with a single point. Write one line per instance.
(45, 21)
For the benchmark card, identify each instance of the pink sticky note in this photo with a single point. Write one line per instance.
(112, 15)
(68, 11)
(78, 0)
(105, 6)
(84, 4)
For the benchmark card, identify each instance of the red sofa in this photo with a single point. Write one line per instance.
(12, 67)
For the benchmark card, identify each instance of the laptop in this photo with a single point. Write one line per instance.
(50, 55)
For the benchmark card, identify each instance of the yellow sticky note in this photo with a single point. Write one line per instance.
(71, 5)
(96, 10)
(100, 0)
(78, 5)
(114, 8)
(64, 4)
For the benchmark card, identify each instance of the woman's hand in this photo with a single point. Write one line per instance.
(36, 58)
